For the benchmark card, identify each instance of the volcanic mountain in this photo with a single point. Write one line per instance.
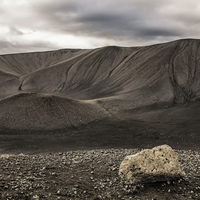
(72, 87)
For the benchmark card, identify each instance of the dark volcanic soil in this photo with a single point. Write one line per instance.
(177, 126)
(92, 171)
(93, 174)
(89, 175)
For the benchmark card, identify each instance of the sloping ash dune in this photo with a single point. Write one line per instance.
(66, 88)
(45, 112)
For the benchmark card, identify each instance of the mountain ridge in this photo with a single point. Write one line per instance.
(111, 78)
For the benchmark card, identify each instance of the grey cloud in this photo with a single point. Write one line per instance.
(5, 44)
(187, 19)
(114, 19)
(14, 30)
(155, 32)
(20, 47)
(119, 21)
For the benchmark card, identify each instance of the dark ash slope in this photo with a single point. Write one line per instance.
(168, 71)
(68, 88)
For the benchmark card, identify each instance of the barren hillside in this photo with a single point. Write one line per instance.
(150, 91)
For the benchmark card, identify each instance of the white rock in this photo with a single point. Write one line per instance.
(151, 165)
(35, 197)
(6, 155)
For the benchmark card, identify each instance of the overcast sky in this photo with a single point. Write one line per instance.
(39, 25)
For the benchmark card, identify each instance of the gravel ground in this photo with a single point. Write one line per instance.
(89, 174)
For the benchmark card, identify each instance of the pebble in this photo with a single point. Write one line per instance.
(35, 197)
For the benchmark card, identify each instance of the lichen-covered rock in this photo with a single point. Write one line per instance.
(151, 165)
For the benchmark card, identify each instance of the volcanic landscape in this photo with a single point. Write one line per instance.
(106, 97)
(74, 114)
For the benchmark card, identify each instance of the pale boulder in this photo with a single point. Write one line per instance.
(151, 165)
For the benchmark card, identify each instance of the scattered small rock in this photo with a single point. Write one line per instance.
(30, 176)
(35, 197)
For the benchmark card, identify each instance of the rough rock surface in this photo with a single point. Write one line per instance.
(151, 165)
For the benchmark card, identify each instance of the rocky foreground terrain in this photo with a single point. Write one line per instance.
(89, 174)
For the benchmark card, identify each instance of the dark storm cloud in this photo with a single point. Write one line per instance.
(154, 32)
(108, 19)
